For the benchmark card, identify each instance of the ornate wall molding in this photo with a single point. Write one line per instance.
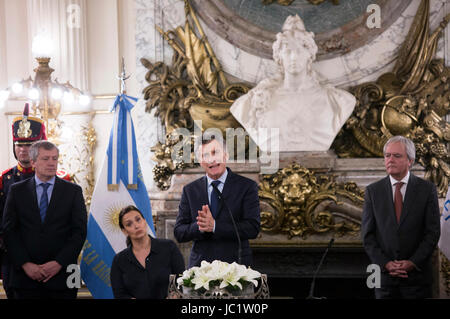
(363, 64)
(297, 201)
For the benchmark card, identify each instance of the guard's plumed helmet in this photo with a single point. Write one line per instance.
(27, 129)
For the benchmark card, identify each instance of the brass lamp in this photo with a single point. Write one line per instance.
(46, 96)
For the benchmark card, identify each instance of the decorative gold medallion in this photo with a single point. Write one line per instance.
(298, 202)
(24, 130)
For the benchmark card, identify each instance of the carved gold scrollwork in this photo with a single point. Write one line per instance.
(302, 203)
(413, 101)
(90, 137)
(79, 162)
(233, 91)
(170, 159)
(24, 129)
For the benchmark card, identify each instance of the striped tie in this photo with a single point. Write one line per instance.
(43, 204)
(398, 200)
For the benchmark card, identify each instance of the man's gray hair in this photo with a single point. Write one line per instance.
(36, 146)
(409, 146)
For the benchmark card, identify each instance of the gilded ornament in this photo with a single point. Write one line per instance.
(170, 159)
(298, 202)
(24, 130)
(90, 137)
(80, 160)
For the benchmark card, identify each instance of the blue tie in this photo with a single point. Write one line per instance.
(43, 204)
(214, 199)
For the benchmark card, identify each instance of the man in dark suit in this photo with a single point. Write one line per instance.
(400, 225)
(44, 223)
(204, 217)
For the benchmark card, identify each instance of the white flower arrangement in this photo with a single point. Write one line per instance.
(232, 277)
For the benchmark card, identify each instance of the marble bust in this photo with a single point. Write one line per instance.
(294, 107)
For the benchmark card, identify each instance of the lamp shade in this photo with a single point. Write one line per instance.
(42, 46)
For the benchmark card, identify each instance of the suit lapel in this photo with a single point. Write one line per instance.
(34, 202)
(409, 198)
(57, 194)
(226, 189)
(390, 200)
(204, 192)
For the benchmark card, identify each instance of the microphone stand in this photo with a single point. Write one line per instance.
(311, 290)
(232, 220)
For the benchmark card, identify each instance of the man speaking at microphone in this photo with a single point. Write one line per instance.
(208, 217)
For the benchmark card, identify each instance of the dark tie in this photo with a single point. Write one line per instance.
(398, 200)
(214, 199)
(43, 204)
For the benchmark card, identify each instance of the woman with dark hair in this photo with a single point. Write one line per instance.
(142, 270)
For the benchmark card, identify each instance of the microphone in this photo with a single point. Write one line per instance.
(311, 290)
(232, 220)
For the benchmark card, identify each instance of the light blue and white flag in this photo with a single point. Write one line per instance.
(444, 241)
(119, 184)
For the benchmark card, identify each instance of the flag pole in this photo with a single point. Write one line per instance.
(123, 77)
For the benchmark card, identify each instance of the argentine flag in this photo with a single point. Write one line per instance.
(444, 241)
(119, 184)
